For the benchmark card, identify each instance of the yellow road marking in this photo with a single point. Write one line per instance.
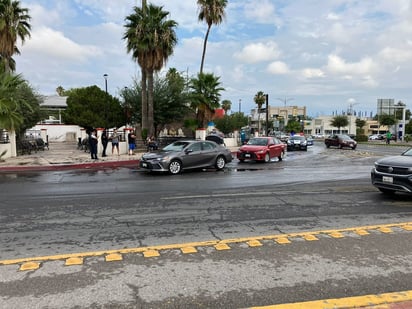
(362, 232)
(347, 302)
(30, 266)
(282, 240)
(187, 250)
(254, 243)
(310, 237)
(113, 257)
(74, 261)
(217, 244)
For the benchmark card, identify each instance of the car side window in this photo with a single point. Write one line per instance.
(207, 146)
(195, 147)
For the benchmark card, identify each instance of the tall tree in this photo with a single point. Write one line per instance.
(226, 105)
(205, 96)
(14, 24)
(260, 99)
(213, 13)
(151, 38)
(339, 121)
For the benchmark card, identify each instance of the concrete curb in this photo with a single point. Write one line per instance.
(72, 166)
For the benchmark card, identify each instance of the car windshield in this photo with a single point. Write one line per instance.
(297, 137)
(258, 141)
(408, 152)
(176, 146)
(345, 137)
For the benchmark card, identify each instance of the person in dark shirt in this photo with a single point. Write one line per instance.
(131, 139)
(105, 141)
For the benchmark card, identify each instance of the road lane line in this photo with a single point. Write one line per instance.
(347, 302)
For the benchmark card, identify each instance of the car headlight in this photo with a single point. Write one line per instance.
(165, 159)
(261, 151)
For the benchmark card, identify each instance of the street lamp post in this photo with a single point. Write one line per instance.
(285, 100)
(240, 105)
(105, 105)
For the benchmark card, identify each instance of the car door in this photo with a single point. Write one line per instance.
(192, 155)
(208, 153)
(274, 148)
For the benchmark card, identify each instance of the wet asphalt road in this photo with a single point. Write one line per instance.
(322, 189)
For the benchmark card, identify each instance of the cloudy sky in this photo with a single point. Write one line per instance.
(327, 55)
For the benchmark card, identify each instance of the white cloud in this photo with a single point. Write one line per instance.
(50, 43)
(312, 73)
(258, 52)
(338, 65)
(278, 67)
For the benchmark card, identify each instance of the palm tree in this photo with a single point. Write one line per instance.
(10, 117)
(14, 23)
(260, 99)
(226, 105)
(213, 12)
(151, 38)
(205, 96)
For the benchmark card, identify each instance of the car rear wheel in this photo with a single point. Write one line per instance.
(175, 167)
(267, 157)
(220, 163)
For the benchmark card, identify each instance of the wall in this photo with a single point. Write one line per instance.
(60, 132)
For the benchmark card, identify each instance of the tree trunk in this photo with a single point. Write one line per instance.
(204, 49)
(144, 100)
(150, 103)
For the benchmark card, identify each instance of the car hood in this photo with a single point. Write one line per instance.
(405, 161)
(252, 148)
(156, 155)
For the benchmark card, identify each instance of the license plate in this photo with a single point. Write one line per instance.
(144, 164)
(387, 179)
(247, 155)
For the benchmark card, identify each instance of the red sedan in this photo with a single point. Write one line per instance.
(261, 149)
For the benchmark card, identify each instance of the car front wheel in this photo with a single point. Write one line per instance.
(175, 167)
(220, 163)
(267, 157)
(281, 156)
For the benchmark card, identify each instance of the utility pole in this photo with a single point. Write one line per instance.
(267, 114)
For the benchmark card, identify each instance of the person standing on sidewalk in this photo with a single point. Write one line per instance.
(131, 140)
(115, 141)
(105, 140)
(93, 144)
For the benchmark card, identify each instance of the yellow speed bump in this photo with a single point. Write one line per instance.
(151, 253)
(336, 235)
(74, 261)
(310, 237)
(188, 250)
(282, 240)
(362, 232)
(254, 243)
(221, 247)
(114, 257)
(30, 266)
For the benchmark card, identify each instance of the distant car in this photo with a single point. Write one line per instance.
(297, 142)
(186, 154)
(393, 173)
(340, 141)
(309, 140)
(376, 137)
(262, 149)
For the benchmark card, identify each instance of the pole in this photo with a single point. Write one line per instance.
(240, 105)
(105, 105)
(267, 114)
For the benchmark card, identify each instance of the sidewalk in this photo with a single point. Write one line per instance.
(66, 155)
